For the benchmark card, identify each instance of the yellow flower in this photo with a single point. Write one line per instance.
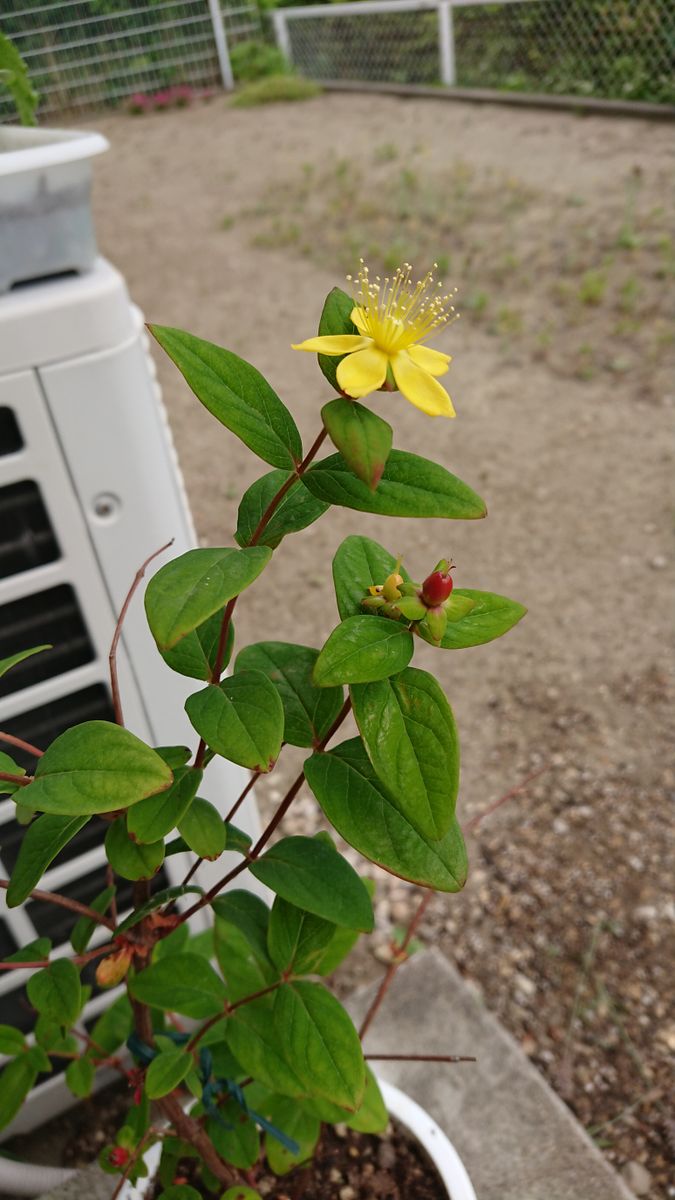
(394, 318)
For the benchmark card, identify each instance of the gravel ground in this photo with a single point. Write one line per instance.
(235, 224)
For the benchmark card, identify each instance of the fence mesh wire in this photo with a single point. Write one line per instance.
(610, 48)
(91, 52)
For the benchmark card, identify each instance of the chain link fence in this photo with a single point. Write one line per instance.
(608, 48)
(81, 53)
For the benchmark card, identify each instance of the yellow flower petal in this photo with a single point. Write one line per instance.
(420, 388)
(363, 372)
(342, 343)
(430, 360)
(358, 318)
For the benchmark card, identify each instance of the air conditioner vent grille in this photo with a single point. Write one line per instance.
(10, 434)
(52, 617)
(27, 539)
(41, 725)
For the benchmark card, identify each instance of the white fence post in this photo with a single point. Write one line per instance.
(446, 42)
(221, 45)
(281, 33)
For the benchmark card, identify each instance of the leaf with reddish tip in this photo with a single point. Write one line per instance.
(363, 439)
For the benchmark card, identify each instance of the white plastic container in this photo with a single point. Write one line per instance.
(45, 202)
(423, 1127)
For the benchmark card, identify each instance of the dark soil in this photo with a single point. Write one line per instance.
(350, 1166)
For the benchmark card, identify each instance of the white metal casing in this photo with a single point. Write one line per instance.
(75, 370)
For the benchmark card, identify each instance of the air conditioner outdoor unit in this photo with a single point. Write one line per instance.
(89, 487)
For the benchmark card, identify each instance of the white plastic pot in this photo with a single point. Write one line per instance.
(423, 1127)
(45, 202)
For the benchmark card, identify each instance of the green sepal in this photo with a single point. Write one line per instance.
(490, 617)
(360, 563)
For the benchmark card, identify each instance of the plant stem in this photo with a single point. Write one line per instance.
(79, 959)
(190, 1131)
(112, 656)
(19, 780)
(255, 775)
(437, 1058)
(476, 820)
(21, 745)
(285, 487)
(65, 902)
(230, 1008)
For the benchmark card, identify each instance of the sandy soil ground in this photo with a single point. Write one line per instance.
(234, 224)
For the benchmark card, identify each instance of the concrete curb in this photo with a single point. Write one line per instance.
(588, 105)
(516, 1137)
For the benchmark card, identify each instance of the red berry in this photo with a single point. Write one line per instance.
(436, 588)
(119, 1156)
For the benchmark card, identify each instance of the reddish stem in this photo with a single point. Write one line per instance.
(439, 1058)
(21, 745)
(112, 656)
(19, 780)
(65, 902)
(78, 959)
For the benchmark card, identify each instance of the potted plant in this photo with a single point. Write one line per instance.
(236, 1052)
(45, 188)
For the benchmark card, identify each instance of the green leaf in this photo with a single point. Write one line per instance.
(242, 719)
(80, 1076)
(180, 1191)
(364, 814)
(85, 926)
(312, 875)
(203, 829)
(490, 617)
(410, 735)
(372, 1116)
(195, 654)
(296, 1124)
(458, 606)
(309, 711)
(321, 1042)
(342, 942)
(335, 319)
(187, 591)
(250, 915)
(96, 767)
(12, 1040)
(16, 1080)
(152, 819)
(259, 1045)
(35, 951)
(363, 439)
(237, 840)
(237, 395)
(14, 74)
(295, 511)
(410, 487)
(240, 942)
(41, 843)
(166, 1071)
(297, 940)
(165, 896)
(130, 859)
(240, 1192)
(38, 1059)
(56, 992)
(7, 663)
(174, 756)
(362, 649)
(183, 983)
(359, 564)
(7, 764)
(113, 1026)
(237, 1141)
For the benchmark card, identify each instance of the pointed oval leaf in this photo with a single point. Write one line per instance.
(312, 875)
(235, 1136)
(410, 487)
(309, 711)
(360, 563)
(362, 649)
(130, 859)
(411, 738)
(321, 1042)
(80, 1076)
(203, 828)
(195, 654)
(152, 819)
(16, 1080)
(56, 992)
(363, 439)
(237, 395)
(183, 983)
(184, 593)
(297, 509)
(362, 811)
(250, 915)
(166, 1071)
(85, 926)
(41, 843)
(490, 617)
(259, 1045)
(13, 659)
(242, 719)
(297, 1125)
(239, 1193)
(297, 940)
(96, 767)
(336, 318)
(12, 1041)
